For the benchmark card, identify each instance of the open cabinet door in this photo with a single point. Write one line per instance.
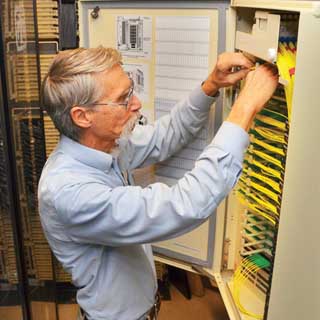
(169, 48)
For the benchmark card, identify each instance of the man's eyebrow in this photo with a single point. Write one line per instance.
(123, 93)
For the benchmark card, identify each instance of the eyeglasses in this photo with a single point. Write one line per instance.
(125, 104)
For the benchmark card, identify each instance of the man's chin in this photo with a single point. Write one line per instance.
(122, 141)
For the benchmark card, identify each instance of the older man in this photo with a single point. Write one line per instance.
(97, 225)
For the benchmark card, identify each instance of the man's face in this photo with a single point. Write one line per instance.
(109, 121)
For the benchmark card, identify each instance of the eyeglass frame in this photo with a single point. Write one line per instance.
(112, 103)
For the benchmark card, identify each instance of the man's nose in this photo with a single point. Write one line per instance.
(135, 103)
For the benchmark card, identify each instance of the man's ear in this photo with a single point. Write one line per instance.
(82, 117)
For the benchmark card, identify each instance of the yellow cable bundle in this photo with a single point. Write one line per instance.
(265, 191)
(286, 62)
(270, 134)
(252, 184)
(260, 200)
(255, 208)
(270, 121)
(267, 146)
(274, 185)
(266, 157)
(249, 266)
(265, 169)
(259, 188)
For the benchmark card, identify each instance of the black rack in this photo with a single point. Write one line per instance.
(29, 39)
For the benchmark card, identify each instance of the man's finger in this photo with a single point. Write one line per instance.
(237, 76)
(237, 60)
(272, 67)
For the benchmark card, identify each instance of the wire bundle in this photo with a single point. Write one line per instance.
(248, 267)
(286, 62)
(259, 190)
(260, 186)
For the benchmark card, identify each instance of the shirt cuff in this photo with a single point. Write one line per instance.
(199, 98)
(233, 139)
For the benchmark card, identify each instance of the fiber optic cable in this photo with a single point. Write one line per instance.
(249, 266)
(267, 146)
(264, 190)
(273, 184)
(251, 182)
(270, 121)
(267, 170)
(259, 187)
(265, 157)
(274, 114)
(263, 202)
(286, 62)
(270, 134)
(257, 209)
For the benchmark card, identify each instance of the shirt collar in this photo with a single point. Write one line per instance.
(91, 157)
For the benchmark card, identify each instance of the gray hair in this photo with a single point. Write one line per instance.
(71, 80)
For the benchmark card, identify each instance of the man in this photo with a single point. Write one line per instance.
(97, 225)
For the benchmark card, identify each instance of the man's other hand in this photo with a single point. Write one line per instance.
(230, 68)
(257, 90)
(259, 86)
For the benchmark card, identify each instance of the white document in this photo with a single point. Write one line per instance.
(134, 36)
(182, 51)
(141, 78)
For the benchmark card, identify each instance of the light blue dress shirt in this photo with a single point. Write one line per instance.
(99, 228)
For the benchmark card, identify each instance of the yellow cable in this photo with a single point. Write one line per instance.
(241, 275)
(260, 184)
(286, 62)
(265, 169)
(270, 134)
(263, 203)
(276, 123)
(274, 185)
(266, 157)
(264, 190)
(267, 146)
(256, 209)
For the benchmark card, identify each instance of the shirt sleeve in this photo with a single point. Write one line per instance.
(153, 143)
(95, 213)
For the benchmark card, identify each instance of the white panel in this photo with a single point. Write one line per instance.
(174, 95)
(183, 48)
(182, 63)
(185, 23)
(173, 84)
(182, 36)
(182, 73)
(190, 61)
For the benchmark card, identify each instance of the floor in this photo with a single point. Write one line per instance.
(208, 307)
